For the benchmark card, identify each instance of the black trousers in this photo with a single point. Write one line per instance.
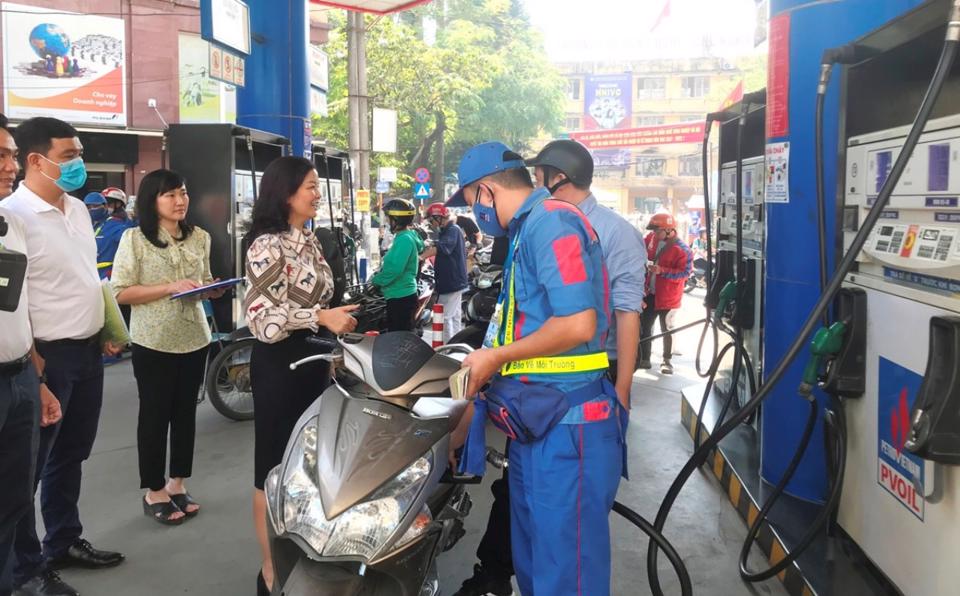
(494, 552)
(168, 385)
(647, 318)
(400, 313)
(75, 375)
(19, 439)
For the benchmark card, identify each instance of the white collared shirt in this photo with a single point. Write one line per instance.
(16, 338)
(66, 297)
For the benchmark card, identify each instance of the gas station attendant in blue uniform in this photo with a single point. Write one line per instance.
(546, 372)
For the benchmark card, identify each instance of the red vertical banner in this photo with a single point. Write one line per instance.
(778, 77)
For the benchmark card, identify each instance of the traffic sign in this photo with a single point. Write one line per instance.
(421, 190)
(422, 175)
(382, 187)
(363, 200)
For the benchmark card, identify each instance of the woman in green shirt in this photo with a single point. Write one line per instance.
(397, 278)
(162, 257)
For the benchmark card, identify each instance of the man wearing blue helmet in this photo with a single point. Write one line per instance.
(96, 205)
(542, 371)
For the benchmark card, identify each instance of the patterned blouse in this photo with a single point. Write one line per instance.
(172, 326)
(287, 280)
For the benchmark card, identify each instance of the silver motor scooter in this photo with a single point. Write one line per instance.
(363, 501)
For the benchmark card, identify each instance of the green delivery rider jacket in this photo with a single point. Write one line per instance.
(397, 277)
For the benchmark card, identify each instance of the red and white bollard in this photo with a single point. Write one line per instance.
(437, 325)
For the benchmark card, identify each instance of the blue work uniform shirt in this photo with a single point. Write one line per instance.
(450, 263)
(559, 272)
(108, 240)
(625, 256)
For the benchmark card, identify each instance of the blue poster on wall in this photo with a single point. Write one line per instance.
(899, 473)
(607, 101)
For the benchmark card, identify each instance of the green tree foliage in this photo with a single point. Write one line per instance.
(486, 77)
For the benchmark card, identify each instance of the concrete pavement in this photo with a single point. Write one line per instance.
(216, 553)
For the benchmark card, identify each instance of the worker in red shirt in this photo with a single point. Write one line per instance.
(669, 262)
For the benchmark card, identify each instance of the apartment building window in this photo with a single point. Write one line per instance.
(651, 167)
(695, 86)
(651, 88)
(649, 120)
(573, 88)
(572, 124)
(691, 165)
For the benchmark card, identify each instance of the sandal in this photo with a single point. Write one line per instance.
(183, 501)
(161, 512)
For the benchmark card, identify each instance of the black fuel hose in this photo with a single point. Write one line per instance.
(501, 461)
(708, 222)
(834, 433)
(686, 588)
(944, 65)
(837, 459)
(738, 351)
(818, 165)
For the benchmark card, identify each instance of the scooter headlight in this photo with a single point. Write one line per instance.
(295, 507)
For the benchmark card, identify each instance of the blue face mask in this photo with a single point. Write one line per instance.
(487, 219)
(98, 215)
(73, 174)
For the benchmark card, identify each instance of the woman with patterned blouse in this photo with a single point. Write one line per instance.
(289, 289)
(162, 257)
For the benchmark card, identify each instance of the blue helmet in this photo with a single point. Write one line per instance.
(94, 198)
(481, 161)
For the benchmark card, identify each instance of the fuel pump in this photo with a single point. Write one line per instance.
(734, 298)
(903, 295)
(900, 481)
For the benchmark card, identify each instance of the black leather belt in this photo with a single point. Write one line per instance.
(69, 342)
(14, 367)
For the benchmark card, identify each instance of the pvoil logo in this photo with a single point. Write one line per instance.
(900, 422)
(901, 474)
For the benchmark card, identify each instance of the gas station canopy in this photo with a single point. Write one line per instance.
(372, 6)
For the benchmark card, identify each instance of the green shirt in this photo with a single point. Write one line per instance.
(397, 277)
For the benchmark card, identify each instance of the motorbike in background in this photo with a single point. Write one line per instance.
(363, 501)
(698, 276)
(481, 302)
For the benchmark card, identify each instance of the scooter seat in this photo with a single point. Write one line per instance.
(403, 358)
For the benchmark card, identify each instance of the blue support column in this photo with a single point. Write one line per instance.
(277, 94)
(792, 285)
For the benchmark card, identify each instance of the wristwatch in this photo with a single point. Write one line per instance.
(42, 378)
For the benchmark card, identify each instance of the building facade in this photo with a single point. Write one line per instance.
(641, 179)
(119, 71)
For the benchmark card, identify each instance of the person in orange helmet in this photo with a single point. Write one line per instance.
(669, 263)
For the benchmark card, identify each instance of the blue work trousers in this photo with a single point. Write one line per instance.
(75, 375)
(19, 423)
(562, 489)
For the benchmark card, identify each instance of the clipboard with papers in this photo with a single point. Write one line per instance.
(226, 283)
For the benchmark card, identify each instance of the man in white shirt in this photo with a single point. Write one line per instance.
(66, 314)
(19, 387)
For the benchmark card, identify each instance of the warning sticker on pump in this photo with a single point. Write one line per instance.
(901, 474)
(933, 244)
(925, 282)
(889, 238)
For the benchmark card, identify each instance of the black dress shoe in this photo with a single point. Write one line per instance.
(47, 583)
(82, 554)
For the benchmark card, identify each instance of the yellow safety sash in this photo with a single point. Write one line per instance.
(553, 365)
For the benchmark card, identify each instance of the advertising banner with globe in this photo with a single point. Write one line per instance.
(69, 66)
(607, 101)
